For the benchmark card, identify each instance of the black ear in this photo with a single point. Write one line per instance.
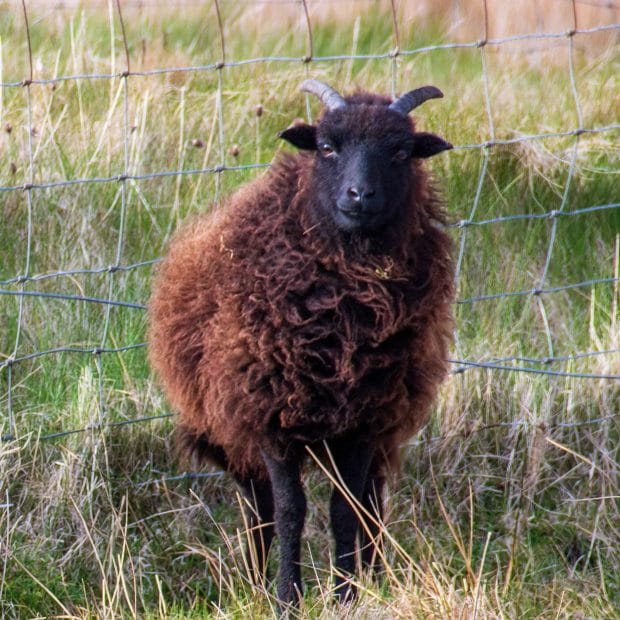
(300, 135)
(428, 144)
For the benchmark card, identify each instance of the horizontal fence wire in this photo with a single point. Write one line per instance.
(65, 5)
(142, 306)
(218, 66)
(224, 168)
(125, 179)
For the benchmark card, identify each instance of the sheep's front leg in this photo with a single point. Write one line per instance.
(290, 513)
(352, 460)
(370, 536)
(259, 519)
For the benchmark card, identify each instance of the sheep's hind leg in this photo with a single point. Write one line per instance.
(258, 510)
(352, 460)
(290, 512)
(370, 535)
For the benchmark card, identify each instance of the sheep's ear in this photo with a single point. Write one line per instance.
(300, 135)
(428, 144)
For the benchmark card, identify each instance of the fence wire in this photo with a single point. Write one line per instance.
(19, 285)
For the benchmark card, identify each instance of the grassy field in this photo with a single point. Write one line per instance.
(508, 505)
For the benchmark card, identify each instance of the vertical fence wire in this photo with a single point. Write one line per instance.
(122, 180)
(396, 51)
(571, 171)
(220, 67)
(307, 58)
(12, 432)
(485, 160)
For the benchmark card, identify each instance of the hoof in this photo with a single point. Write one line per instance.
(345, 591)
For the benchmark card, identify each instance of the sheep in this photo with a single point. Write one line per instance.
(312, 313)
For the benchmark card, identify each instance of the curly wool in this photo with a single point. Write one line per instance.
(269, 329)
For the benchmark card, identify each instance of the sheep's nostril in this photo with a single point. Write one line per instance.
(359, 195)
(354, 193)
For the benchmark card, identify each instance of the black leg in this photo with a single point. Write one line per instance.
(258, 511)
(352, 459)
(290, 513)
(372, 501)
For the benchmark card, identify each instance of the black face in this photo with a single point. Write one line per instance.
(362, 183)
(363, 172)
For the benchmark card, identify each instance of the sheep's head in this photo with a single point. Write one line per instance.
(365, 146)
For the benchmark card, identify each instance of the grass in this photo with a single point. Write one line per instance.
(508, 502)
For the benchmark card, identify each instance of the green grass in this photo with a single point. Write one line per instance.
(504, 509)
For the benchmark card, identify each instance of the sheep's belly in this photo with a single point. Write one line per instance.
(313, 389)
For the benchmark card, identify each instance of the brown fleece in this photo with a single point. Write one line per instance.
(268, 329)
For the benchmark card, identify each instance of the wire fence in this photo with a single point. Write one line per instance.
(22, 285)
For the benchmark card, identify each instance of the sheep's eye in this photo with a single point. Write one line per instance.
(401, 155)
(327, 150)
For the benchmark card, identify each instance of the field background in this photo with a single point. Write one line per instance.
(113, 131)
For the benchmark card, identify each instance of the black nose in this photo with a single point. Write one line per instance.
(357, 194)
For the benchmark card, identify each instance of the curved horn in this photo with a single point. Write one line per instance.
(330, 98)
(407, 102)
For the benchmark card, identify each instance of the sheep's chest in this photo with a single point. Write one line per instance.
(338, 349)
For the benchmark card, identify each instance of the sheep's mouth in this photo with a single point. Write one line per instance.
(353, 214)
(351, 219)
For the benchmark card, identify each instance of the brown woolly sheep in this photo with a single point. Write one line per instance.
(313, 310)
